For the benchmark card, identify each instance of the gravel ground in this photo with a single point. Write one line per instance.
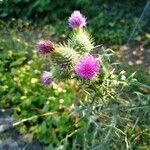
(10, 139)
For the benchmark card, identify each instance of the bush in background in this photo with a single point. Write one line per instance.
(111, 21)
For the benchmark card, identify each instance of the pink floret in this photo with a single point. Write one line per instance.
(87, 67)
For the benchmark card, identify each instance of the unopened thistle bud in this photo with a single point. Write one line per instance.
(44, 46)
(46, 78)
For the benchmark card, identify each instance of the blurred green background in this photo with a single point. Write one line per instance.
(111, 21)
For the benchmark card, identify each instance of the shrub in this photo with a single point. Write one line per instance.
(113, 20)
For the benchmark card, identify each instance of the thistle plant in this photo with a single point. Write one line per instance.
(87, 67)
(105, 102)
(77, 20)
(44, 46)
(46, 78)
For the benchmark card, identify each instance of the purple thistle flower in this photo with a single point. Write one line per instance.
(76, 20)
(46, 78)
(44, 46)
(87, 67)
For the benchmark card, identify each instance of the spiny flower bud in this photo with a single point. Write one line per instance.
(76, 20)
(46, 78)
(87, 67)
(44, 46)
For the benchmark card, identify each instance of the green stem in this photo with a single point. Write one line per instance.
(33, 117)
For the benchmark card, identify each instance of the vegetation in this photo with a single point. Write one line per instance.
(111, 112)
(110, 21)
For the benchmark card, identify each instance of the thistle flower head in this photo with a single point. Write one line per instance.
(77, 20)
(87, 67)
(44, 46)
(46, 78)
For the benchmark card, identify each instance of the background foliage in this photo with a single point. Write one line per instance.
(21, 90)
(111, 21)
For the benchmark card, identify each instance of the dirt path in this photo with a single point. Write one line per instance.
(136, 55)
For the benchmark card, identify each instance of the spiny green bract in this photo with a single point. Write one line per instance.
(66, 54)
(81, 41)
(63, 59)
